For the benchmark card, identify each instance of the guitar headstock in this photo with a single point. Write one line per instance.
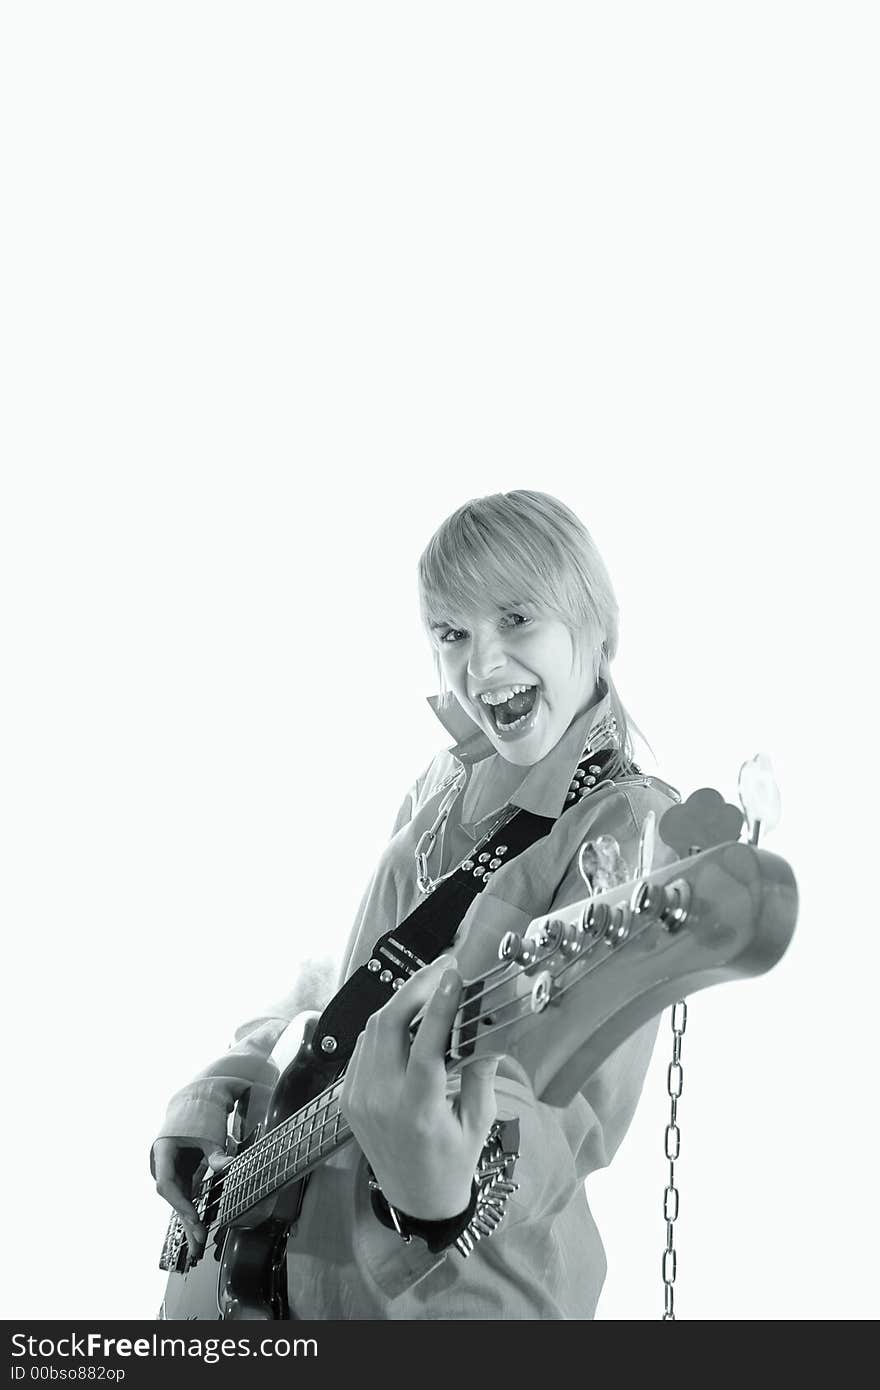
(584, 978)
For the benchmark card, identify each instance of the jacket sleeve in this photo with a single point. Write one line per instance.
(200, 1110)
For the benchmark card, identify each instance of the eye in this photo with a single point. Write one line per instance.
(452, 634)
(517, 619)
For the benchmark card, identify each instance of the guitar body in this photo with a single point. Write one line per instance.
(243, 1271)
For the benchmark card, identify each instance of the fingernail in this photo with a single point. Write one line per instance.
(449, 982)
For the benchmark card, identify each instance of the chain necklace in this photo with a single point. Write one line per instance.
(427, 841)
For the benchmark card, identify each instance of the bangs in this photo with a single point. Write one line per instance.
(477, 564)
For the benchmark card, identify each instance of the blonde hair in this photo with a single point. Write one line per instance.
(511, 548)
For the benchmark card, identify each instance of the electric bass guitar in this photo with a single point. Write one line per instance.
(559, 1001)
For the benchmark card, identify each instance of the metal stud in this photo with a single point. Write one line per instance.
(396, 984)
(484, 858)
(468, 864)
(479, 871)
(385, 977)
(494, 863)
(594, 767)
(501, 849)
(569, 796)
(487, 877)
(374, 965)
(328, 1044)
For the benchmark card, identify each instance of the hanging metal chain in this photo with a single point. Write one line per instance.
(674, 1082)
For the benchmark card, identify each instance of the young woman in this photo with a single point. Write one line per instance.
(523, 621)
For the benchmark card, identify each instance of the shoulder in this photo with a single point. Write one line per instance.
(619, 808)
(535, 879)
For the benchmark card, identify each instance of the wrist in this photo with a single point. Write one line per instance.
(490, 1190)
(437, 1233)
(431, 1210)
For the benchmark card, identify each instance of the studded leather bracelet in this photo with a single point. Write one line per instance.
(437, 1235)
(491, 1189)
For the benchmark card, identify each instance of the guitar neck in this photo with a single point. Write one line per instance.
(288, 1152)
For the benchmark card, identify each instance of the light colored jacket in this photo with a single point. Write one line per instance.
(546, 1260)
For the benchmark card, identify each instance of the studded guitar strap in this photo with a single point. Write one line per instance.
(429, 929)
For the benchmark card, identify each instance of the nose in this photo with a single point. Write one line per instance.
(486, 656)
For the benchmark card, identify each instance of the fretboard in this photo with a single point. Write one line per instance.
(286, 1153)
(302, 1141)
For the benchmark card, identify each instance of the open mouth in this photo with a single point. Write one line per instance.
(515, 712)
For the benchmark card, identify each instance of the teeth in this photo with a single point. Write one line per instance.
(516, 723)
(497, 697)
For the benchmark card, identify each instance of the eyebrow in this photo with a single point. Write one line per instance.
(512, 607)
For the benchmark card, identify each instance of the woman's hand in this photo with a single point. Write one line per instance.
(422, 1148)
(175, 1162)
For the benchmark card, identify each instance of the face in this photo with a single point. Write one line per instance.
(525, 662)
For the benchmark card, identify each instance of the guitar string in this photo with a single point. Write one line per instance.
(294, 1131)
(299, 1131)
(212, 1185)
(304, 1131)
(524, 1004)
(343, 1130)
(297, 1135)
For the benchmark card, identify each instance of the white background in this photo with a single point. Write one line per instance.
(283, 285)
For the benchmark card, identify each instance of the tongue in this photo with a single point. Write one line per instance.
(516, 706)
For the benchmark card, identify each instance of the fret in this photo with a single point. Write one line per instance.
(261, 1151)
(284, 1154)
(317, 1130)
(251, 1185)
(299, 1139)
(288, 1142)
(302, 1142)
(336, 1130)
(279, 1147)
(241, 1195)
(311, 1114)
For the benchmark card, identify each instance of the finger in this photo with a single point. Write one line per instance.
(477, 1102)
(170, 1186)
(175, 1196)
(405, 1003)
(350, 1086)
(219, 1160)
(429, 1048)
(385, 1042)
(196, 1232)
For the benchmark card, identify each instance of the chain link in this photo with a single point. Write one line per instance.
(672, 1145)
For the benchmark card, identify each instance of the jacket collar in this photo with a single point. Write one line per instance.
(544, 787)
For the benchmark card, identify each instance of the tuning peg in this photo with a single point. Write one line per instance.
(759, 794)
(705, 819)
(647, 845)
(601, 864)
